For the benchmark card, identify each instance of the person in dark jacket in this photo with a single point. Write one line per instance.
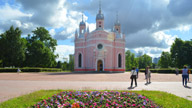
(184, 75)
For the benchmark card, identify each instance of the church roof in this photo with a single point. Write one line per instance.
(82, 23)
(99, 16)
(117, 23)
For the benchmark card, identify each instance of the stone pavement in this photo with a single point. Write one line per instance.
(14, 85)
(12, 88)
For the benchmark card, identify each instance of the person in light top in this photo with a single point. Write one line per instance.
(133, 76)
(148, 75)
(184, 75)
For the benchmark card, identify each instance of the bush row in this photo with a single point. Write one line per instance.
(31, 70)
(161, 70)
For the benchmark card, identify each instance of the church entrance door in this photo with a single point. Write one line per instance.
(99, 65)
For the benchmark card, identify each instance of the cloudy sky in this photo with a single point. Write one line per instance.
(150, 25)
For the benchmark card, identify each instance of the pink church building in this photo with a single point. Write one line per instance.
(100, 50)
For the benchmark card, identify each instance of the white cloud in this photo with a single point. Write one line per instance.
(63, 51)
(75, 3)
(183, 28)
(52, 32)
(162, 37)
(8, 13)
(92, 26)
(151, 51)
(56, 15)
(1, 31)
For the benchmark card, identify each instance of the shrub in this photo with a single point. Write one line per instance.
(161, 70)
(28, 69)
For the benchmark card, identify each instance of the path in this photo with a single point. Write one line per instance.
(14, 85)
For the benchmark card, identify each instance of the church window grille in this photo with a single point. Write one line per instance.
(80, 60)
(119, 60)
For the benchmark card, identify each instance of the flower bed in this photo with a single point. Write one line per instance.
(95, 99)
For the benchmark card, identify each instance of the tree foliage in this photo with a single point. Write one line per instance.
(181, 53)
(140, 61)
(144, 61)
(130, 60)
(12, 48)
(59, 64)
(71, 62)
(165, 60)
(40, 49)
(65, 66)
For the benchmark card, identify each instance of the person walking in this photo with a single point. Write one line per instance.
(148, 75)
(184, 75)
(133, 77)
(189, 72)
(177, 71)
(137, 70)
(18, 71)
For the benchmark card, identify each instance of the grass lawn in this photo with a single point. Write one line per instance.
(163, 99)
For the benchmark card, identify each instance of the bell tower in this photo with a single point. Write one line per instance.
(82, 26)
(100, 19)
(117, 25)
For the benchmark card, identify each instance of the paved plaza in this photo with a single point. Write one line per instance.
(14, 85)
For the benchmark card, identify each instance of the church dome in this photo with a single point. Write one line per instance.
(99, 16)
(82, 23)
(117, 23)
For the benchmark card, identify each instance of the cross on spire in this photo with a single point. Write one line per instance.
(99, 6)
(117, 17)
(82, 16)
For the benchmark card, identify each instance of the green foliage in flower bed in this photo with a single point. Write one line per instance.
(161, 70)
(161, 98)
(166, 100)
(30, 70)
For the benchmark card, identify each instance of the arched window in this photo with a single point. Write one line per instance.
(119, 60)
(80, 59)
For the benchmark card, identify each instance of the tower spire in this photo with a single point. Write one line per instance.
(117, 24)
(82, 16)
(99, 6)
(117, 19)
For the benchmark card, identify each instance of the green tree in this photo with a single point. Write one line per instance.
(147, 60)
(12, 47)
(1, 52)
(176, 52)
(41, 47)
(154, 65)
(144, 61)
(1, 63)
(140, 53)
(165, 60)
(59, 64)
(181, 52)
(43, 35)
(141, 61)
(130, 60)
(65, 66)
(187, 50)
(71, 62)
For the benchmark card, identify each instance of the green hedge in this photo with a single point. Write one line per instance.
(161, 70)
(30, 70)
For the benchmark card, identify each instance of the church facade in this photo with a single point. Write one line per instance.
(99, 50)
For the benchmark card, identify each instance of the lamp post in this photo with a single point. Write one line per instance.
(94, 59)
(105, 51)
